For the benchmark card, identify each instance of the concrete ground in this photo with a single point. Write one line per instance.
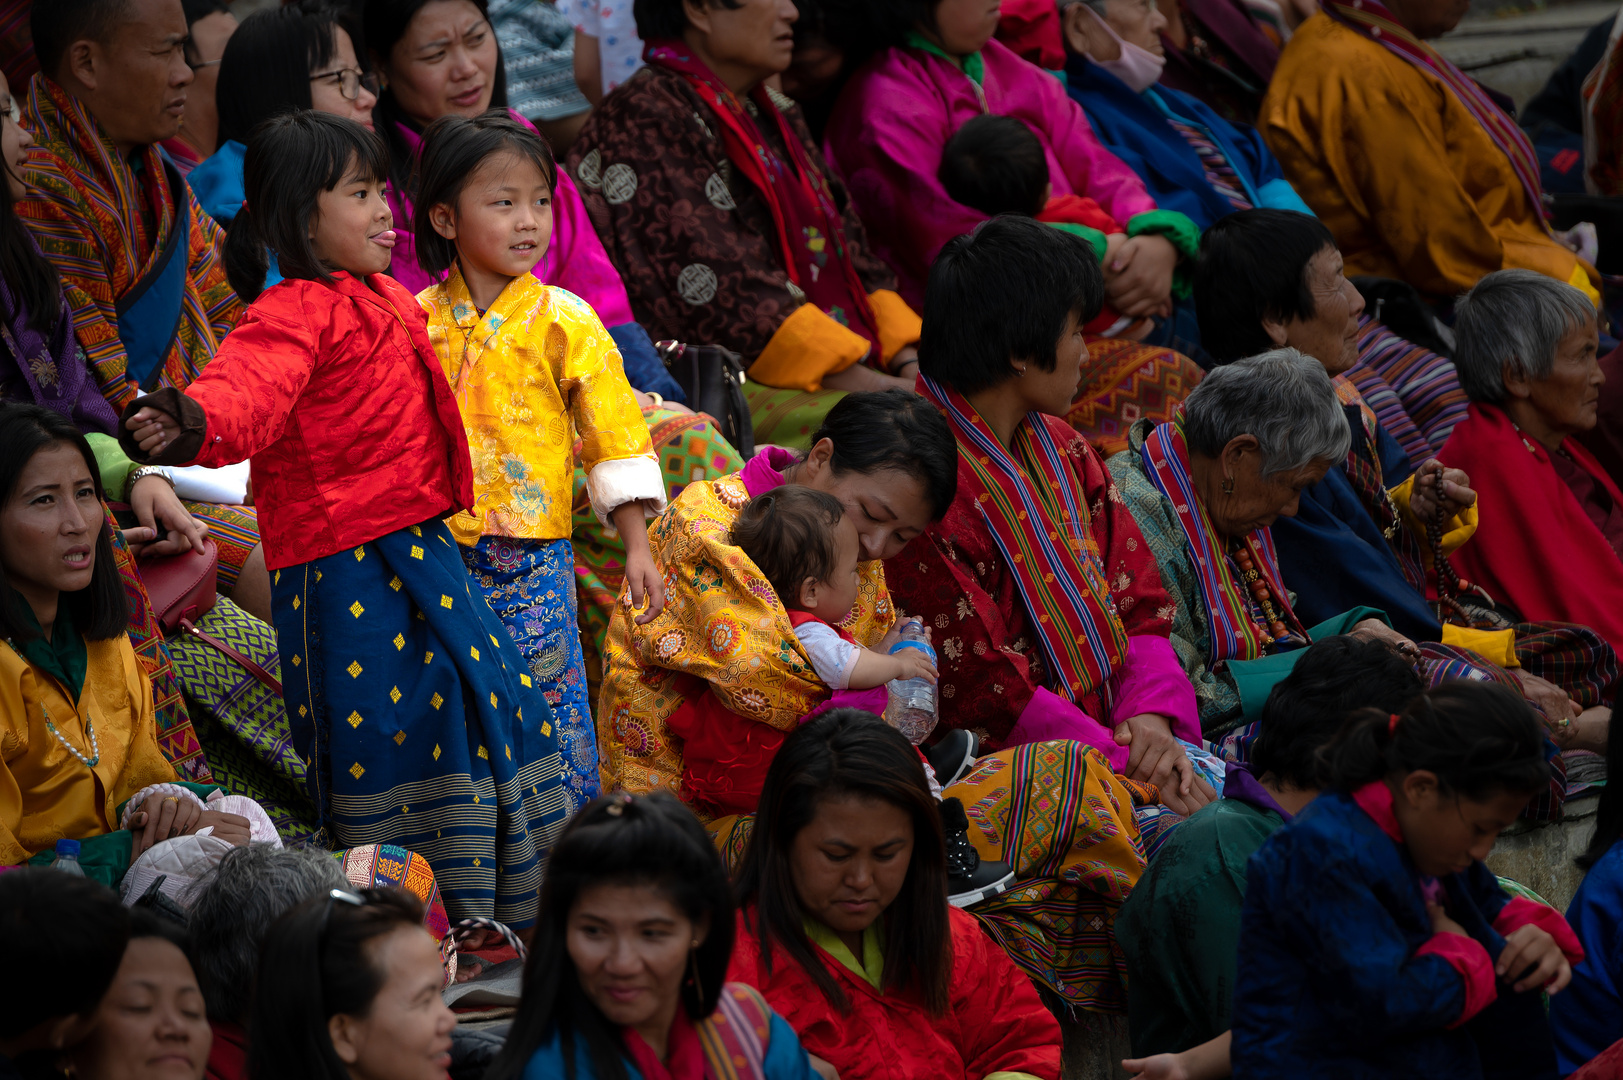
(1514, 48)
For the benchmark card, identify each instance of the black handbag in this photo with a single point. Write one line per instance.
(713, 380)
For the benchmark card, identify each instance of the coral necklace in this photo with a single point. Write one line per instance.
(1257, 585)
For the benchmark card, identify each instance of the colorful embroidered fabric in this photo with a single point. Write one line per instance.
(384, 866)
(722, 628)
(241, 724)
(527, 374)
(1029, 495)
(958, 580)
(176, 737)
(418, 718)
(716, 272)
(690, 450)
(1124, 382)
(90, 209)
(1235, 635)
(530, 585)
(807, 219)
(1425, 383)
(1059, 816)
(1219, 173)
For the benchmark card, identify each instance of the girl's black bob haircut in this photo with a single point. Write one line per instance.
(650, 840)
(453, 149)
(291, 160)
(100, 611)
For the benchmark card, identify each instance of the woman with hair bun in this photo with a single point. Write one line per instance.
(1374, 940)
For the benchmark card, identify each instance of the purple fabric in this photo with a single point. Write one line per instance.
(896, 114)
(55, 371)
(1241, 786)
(1150, 680)
(1050, 718)
(575, 259)
(1231, 24)
(873, 700)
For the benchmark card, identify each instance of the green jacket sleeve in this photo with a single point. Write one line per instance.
(113, 464)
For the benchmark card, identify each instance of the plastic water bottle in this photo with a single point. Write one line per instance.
(67, 858)
(911, 709)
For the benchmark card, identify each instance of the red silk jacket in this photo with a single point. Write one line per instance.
(994, 1022)
(335, 395)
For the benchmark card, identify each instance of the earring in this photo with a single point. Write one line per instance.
(1228, 485)
(1020, 371)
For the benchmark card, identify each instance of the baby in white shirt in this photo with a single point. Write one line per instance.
(806, 545)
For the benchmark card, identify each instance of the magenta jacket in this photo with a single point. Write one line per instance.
(897, 113)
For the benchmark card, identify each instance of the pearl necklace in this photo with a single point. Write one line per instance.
(90, 734)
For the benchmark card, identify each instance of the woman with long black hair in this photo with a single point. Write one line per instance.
(845, 928)
(627, 969)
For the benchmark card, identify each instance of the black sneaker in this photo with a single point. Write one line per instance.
(970, 879)
(953, 756)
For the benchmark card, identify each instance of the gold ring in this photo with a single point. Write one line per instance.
(1566, 721)
(171, 798)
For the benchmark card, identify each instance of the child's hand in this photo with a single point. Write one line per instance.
(154, 429)
(1442, 924)
(646, 583)
(914, 664)
(1532, 948)
(892, 636)
(642, 574)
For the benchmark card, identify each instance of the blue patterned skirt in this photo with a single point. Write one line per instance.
(419, 718)
(530, 585)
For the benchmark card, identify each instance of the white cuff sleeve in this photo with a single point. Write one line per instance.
(611, 484)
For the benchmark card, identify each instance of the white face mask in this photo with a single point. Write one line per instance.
(1139, 68)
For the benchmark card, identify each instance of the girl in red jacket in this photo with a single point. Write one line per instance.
(418, 717)
(845, 929)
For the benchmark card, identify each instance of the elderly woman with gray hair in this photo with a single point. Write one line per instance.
(1204, 489)
(230, 910)
(1550, 539)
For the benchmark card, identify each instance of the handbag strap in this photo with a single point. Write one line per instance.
(271, 682)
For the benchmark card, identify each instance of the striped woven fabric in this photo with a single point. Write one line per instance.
(1426, 386)
(1219, 173)
(102, 221)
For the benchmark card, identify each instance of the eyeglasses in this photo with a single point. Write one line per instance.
(339, 896)
(196, 64)
(350, 81)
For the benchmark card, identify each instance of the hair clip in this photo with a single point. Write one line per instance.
(617, 804)
(1392, 724)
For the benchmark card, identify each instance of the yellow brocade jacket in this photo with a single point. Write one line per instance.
(1408, 181)
(722, 626)
(527, 374)
(47, 794)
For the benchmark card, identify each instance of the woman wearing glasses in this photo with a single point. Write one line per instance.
(281, 60)
(209, 25)
(349, 989)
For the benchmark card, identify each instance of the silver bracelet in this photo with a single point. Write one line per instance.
(145, 471)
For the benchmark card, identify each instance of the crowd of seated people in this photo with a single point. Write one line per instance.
(1202, 386)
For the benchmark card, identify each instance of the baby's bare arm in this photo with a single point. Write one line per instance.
(876, 669)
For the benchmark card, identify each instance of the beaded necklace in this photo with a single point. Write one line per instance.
(1257, 586)
(1449, 583)
(90, 735)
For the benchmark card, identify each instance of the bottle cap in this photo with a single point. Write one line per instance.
(67, 847)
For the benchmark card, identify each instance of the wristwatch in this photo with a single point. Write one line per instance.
(145, 471)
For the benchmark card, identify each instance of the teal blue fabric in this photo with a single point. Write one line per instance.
(217, 184)
(1255, 679)
(785, 1059)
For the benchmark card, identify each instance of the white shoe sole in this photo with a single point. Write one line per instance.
(980, 895)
